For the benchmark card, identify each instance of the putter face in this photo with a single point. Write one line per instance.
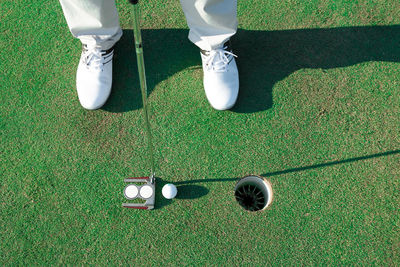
(140, 188)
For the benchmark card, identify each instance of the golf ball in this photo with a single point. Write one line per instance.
(146, 191)
(131, 191)
(169, 191)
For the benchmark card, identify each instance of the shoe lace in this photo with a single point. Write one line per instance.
(93, 58)
(219, 59)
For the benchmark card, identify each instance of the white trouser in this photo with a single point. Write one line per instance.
(96, 22)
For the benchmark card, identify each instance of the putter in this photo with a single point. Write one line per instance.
(147, 190)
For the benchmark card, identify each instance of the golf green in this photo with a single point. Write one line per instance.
(317, 115)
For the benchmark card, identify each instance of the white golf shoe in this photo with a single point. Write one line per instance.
(221, 77)
(94, 77)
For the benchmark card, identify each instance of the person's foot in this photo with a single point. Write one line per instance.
(94, 77)
(221, 77)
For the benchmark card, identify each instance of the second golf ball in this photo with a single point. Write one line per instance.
(169, 191)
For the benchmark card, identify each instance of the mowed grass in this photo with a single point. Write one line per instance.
(317, 115)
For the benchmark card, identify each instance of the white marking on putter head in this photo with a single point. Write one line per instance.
(131, 191)
(146, 191)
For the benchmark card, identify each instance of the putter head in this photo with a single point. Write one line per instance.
(140, 188)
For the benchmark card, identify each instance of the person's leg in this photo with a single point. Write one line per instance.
(212, 23)
(96, 24)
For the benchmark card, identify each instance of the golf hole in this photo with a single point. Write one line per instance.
(253, 193)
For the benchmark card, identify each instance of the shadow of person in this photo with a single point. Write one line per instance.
(166, 52)
(264, 58)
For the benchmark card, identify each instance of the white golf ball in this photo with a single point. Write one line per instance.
(146, 191)
(169, 191)
(131, 191)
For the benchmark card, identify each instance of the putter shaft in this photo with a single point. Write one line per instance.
(143, 84)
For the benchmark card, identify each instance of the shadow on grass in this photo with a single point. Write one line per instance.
(186, 189)
(264, 58)
(184, 192)
(299, 169)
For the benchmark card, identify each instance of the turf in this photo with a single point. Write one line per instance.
(317, 115)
